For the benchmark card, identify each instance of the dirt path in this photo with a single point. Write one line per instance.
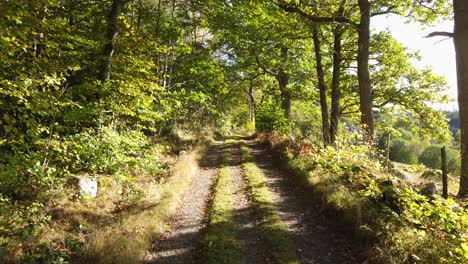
(181, 242)
(315, 240)
(248, 235)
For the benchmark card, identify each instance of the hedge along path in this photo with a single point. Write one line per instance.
(221, 245)
(274, 231)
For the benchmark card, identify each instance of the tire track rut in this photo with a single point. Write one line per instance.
(181, 243)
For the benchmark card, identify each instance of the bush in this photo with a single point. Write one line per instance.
(271, 118)
(402, 151)
(20, 225)
(24, 175)
(103, 151)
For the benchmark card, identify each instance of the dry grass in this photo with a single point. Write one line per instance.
(127, 239)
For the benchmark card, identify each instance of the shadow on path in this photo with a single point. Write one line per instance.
(316, 242)
(181, 243)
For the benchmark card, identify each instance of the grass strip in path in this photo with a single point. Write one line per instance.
(220, 241)
(274, 231)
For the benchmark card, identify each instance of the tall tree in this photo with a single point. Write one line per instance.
(336, 89)
(365, 89)
(460, 39)
(111, 36)
(322, 87)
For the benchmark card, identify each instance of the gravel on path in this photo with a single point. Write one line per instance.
(181, 243)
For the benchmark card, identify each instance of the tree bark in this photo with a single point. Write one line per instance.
(336, 89)
(365, 90)
(461, 50)
(322, 87)
(111, 36)
(283, 81)
(253, 106)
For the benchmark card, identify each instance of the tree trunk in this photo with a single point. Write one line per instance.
(112, 32)
(322, 88)
(253, 106)
(283, 81)
(365, 91)
(336, 89)
(461, 49)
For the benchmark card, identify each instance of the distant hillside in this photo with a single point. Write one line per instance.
(454, 121)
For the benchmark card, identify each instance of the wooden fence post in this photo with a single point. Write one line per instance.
(444, 173)
(388, 150)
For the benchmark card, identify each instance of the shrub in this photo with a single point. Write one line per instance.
(99, 151)
(402, 151)
(397, 223)
(271, 118)
(24, 175)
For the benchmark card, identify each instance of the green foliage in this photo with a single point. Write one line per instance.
(393, 219)
(306, 118)
(21, 223)
(103, 151)
(270, 118)
(431, 157)
(401, 151)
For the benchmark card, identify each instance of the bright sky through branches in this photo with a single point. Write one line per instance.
(437, 52)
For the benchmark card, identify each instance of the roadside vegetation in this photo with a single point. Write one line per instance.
(132, 207)
(126, 239)
(274, 231)
(221, 245)
(389, 216)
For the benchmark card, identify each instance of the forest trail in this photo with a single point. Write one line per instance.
(315, 242)
(181, 243)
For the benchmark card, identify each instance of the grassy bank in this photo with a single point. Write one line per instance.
(386, 215)
(220, 241)
(138, 181)
(126, 240)
(274, 231)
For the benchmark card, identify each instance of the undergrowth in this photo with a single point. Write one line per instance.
(45, 219)
(126, 240)
(274, 231)
(387, 215)
(220, 240)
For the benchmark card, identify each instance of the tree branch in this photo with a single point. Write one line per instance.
(338, 19)
(385, 12)
(440, 34)
(263, 67)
